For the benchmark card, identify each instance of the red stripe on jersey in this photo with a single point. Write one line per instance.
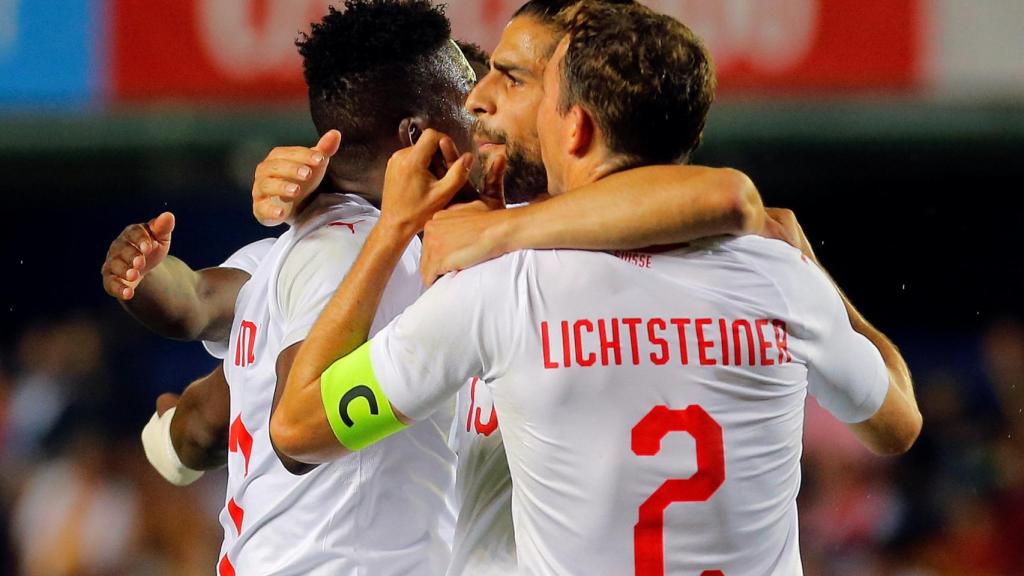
(240, 440)
(225, 568)
(237, 514)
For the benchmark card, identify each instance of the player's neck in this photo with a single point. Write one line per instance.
(589, 169)
(369, 185)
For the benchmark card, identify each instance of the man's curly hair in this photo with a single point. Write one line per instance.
(370, 65)
(645, 78)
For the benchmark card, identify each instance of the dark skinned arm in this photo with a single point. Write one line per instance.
(164, 293)
(199, 430)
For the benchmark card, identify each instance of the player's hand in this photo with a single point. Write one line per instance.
(412, 192)
(136, 251)
(165, 402)
(288, 175)
(781, 224)
(465, 235)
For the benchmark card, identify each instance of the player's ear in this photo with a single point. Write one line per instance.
(582, 131)
(410, 129)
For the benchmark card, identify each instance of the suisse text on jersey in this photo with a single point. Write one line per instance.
(685, 341)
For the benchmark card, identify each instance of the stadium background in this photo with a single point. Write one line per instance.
(892, 127)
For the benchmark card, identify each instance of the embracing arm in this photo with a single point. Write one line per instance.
(199, 430)
(895, 426)
(188, 434)
(165, 294)
(177, 302)
(643, 207)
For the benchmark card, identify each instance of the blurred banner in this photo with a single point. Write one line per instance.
(209, 49)
(197, 51)
(50, 56)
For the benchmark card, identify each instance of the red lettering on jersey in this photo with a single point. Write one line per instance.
(781, 341)
(577, 332)
(735, 340)
(763, 345)
(633, 344)
(546, 343)
(350, 225)
(681, 324)
(637, 259)
(240, 440)
(738, 346)
(609, 342)
(703, 343)
(566, 351)
(723, 331)
(658, 341)
(481, 428)
(237, 514)
(224, 568)
(647, 435)
(245, 344)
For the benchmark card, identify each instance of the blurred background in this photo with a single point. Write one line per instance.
(892, 128)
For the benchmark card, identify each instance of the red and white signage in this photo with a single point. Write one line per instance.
(243, 50)
(227, 50)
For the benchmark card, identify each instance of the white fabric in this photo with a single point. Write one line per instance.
(156, 442)
(382, 511)
(247, 259)
(578, 479)
(484, 543)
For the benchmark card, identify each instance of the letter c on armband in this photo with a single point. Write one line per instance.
(357, 392)
(356, 424)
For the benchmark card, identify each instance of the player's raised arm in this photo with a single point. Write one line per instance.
(331, 378)
(188, 434)
(633, 209)
(164, 293)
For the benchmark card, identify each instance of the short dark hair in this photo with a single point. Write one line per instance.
(645, 78)
(360, 63)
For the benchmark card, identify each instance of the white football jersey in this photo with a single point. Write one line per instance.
(484, 543)
(651, 404)
(383, 511)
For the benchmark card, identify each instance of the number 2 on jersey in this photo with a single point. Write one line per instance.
(649, 532)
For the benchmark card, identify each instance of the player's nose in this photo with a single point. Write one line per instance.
(480, 101)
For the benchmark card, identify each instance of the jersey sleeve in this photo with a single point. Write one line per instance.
(460, 328)
(845, 371)
(309, 276)
(247, 259)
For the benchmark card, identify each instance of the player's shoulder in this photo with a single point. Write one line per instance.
(248, 257)
(799, 280)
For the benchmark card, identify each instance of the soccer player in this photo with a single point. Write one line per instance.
(379, 71)
(651, 407)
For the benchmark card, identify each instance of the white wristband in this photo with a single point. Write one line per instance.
(156, 441)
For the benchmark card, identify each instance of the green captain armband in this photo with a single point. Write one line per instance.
(357, 409)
